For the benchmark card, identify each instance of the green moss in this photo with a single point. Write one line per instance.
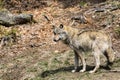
(32, 69)
(82, 3)
(6, 32)
(117, 31)
(10, 34)
(55, 60)
(67, 62)
(43, 63)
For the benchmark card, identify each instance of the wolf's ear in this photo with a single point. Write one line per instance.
(61, 26)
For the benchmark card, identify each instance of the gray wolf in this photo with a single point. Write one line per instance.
(81, 42)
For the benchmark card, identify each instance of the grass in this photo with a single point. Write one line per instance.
(32, 69)
(62, 69)
(1, 4)
(82, 3)
(10, 34)
(117, 31)
(56, 67)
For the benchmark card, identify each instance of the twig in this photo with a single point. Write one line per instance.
(46, 18)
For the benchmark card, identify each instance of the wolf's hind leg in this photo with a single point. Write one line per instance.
(97, 59)
(110, 55)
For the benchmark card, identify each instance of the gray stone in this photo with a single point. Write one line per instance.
(9, 19)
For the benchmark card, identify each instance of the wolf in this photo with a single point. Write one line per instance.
(81, 42)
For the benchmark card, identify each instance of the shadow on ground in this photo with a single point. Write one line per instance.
(68, 69)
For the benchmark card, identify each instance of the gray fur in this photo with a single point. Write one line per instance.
(95, 41)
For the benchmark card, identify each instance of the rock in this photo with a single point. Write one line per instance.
(22, 18)
(80, 18)
(6, 18)
(9, 19)
(56, 51)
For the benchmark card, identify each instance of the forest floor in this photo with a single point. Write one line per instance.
(35, 56)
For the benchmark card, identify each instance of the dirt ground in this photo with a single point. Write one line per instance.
(36, 57)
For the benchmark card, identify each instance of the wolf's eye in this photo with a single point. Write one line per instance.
(63, 32)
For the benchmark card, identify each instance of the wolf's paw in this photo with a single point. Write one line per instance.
(73, 71)
(83, 70)
(92, 71)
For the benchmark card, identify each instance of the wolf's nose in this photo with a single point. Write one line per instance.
(55, 40)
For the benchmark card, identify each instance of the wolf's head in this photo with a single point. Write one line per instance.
(59, 33)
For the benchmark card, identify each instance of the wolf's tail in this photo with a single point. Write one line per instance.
(110, 55)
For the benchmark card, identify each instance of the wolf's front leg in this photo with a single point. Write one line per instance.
(82, 57)
(76, 62)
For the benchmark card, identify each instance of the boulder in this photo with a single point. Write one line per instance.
(9, 19)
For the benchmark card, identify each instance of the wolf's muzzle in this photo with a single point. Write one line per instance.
(56, 40)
